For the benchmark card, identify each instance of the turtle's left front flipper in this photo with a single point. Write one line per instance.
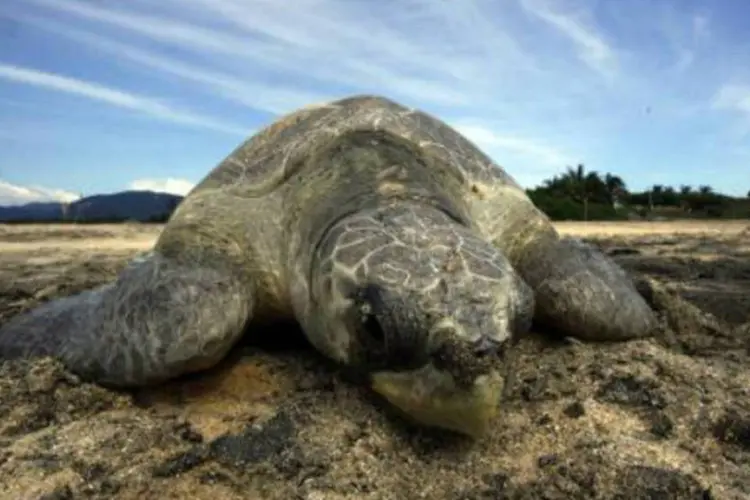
(583, 293)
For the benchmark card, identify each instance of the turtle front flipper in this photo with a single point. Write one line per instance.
(162, 317)
(583, 293)
(579, 292)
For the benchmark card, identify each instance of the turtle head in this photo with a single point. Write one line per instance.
(424, 307)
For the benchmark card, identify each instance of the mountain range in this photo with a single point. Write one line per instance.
(140, 206)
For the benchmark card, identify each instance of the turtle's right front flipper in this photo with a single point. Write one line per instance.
(160, 318)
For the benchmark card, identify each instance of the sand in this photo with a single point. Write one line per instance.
(667, 417)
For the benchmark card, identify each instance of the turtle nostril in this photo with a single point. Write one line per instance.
(486, 346)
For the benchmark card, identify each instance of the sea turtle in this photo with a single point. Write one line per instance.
(400, 248)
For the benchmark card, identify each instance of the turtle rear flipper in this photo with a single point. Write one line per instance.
(159, 319)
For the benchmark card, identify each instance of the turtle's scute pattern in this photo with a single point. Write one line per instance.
(277, 152)
(297, 222)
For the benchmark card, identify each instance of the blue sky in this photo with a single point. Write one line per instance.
(104, 95)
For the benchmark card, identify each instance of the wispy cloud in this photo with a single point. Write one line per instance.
(733, 96)
(168, 185)
(283, 40)
(286, 41)
(111, 96)
(548, 158)
(685, 35)
(685, 59)
(701, 27)
(326, 41)
(593, 49)
(538, 84)
(243, 91)
(13, 194)
(449, 58)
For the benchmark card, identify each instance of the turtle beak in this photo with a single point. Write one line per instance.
(431, 397)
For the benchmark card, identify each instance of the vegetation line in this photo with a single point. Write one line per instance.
(580, 195)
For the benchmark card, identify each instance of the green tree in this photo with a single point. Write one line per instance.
(576, 184)
(616, 188)
(670, 197)
(578, 194)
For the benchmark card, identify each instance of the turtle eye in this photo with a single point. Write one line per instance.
(391, 338)
(370, 301)
(372, 326)
(372, 348)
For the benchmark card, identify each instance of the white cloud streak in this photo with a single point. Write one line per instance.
(324, 42)
(245, 92)
(592, 47)
(168, 185)
(13, 194)
(111, 96)
(734, 97)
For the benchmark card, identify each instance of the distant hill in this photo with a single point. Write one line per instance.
(140, 206)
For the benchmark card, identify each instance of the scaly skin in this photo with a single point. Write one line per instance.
(159, 318)
(424, 305)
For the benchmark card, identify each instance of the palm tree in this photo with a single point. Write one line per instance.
(576, 184)
(654, 196)
(615, 188)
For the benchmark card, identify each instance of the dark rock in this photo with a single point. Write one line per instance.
(630, 391)
(547, 460)
(61, 493)
(545, 419)
(255, 445)
(497, 481)
(575, 410)
(661, 425)
(90, 472)
(187, 433)
(617, 251)
(733, 428)
(181, 463)
(654, 483)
